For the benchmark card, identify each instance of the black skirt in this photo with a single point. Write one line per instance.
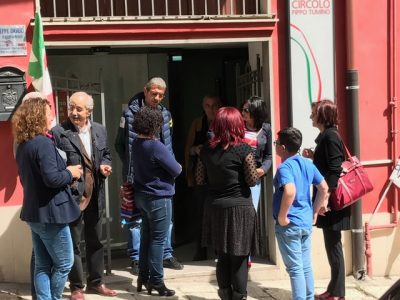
(232, 230)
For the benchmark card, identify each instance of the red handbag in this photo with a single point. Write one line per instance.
(353, 183)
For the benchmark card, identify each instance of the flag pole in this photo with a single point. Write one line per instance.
(37, 4)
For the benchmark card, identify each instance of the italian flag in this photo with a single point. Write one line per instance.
(38, 63)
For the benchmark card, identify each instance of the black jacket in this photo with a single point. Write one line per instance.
(126, 134)
(68, 140)
(263, 153)
(328, 158)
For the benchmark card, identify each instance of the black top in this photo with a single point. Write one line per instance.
(229, 173)
(328, 158)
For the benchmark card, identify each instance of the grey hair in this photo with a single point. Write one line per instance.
(89, 99)
(157, 81)
(32, 95)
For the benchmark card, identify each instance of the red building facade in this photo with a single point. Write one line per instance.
(364, 41)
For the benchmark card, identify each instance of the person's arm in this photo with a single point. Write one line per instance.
(47, 160)
(105, 163)
(200, 173)
(289, 192)
(320, 205)
(334, 157)
(106, 158)
(266, 160)
(167, 160)
(63, 142)
(129, 136)
(250, 171)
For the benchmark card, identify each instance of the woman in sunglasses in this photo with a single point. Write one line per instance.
(258, 136)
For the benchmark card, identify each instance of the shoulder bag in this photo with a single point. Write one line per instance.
(353, 183)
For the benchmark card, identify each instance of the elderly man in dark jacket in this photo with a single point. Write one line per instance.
(85, 143)
(152, 95)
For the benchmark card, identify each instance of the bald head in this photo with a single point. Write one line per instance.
(80, 108)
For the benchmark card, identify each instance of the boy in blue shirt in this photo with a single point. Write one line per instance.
(294, 211)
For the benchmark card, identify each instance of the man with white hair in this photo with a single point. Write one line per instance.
(85, 143)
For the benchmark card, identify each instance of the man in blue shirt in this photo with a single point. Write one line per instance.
(294, 211)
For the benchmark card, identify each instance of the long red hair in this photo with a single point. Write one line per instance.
(227, 127)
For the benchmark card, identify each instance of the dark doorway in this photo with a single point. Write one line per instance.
(192, 74)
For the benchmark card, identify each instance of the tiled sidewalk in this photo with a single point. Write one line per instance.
(197, 282)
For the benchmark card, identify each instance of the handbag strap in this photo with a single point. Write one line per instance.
(344, 147)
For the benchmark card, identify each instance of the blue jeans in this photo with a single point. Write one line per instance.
(156, 221)
(255, 194)
(134, 240)
(295, 246)
(54, 258)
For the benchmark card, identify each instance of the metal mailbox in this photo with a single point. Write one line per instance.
(12, 89)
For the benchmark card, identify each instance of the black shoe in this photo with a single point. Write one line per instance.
(225, 294)
(172, 263)
(140, 283)
(135, 268)
(161, 289)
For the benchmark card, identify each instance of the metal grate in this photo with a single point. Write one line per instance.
(249, 83)
(149, 8)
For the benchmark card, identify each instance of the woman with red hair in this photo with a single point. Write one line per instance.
(230, 224)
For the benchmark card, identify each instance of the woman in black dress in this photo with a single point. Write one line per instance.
(230, 224)
(328, 158)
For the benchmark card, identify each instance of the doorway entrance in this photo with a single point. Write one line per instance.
(190, 74)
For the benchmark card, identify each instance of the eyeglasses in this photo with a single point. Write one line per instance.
(246, 110)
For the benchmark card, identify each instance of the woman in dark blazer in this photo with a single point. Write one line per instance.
(258, 136)
(47, 206)
(328, 158)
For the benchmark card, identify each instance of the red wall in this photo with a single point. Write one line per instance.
(16, 12)
(372, 59)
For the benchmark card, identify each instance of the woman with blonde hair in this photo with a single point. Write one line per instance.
(47, 206)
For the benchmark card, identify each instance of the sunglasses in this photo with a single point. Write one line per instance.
(276, 142)
(246, 110)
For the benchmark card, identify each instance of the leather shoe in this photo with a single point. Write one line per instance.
(77, 295)
(323, 296)
(327, 296)
(102, 290)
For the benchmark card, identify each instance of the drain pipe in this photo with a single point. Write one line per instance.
(394, 135)
(357, 233)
